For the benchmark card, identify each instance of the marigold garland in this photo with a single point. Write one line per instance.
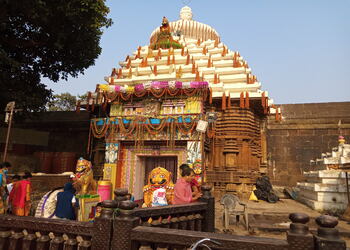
(102, 132)
(174, 93)
(210, 96)
(184, 122)
(137, 128)
(158, 93)
(89, 141)
(190, 92)
(159, 128)
(111, 96)
(188, 129)
(129, 130)
(125, 98)
(140, 93)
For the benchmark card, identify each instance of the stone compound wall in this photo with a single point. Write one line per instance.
(45, 132)
(306, 131)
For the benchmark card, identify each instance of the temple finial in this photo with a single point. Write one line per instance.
(186, 13)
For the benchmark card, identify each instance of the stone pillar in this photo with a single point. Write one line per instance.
(298, 235)
(209, 215)
(103, 226)
(120, 194)
(123, 224)
(327, 237)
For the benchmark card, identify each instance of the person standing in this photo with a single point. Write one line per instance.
(14, 181)
(20, 196)
(183, 190)
(3, 182)
(66, 203)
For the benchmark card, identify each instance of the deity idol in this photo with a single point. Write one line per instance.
(159, 190)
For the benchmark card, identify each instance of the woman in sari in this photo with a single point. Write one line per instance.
(20, 196)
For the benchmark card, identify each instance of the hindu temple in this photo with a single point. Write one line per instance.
(185, 97)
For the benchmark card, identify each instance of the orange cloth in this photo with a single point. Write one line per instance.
(20, 198)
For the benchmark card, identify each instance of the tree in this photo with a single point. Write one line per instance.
(43, 38)
(62, 102)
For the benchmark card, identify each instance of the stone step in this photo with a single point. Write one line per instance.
(324, 196)
(325, 174)
(320, 187)
(341, 181)
(334, 208)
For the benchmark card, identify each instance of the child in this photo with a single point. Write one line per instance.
(194, 183)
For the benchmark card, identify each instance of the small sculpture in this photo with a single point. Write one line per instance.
(164, 38)
(160, 188)
(197, 169)
(83, 179)
(165, 25)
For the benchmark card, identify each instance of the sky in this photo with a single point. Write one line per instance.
(299, 50)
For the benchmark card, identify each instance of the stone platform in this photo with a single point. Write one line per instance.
(324, 191)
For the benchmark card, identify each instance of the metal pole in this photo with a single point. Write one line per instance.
(347, 187)
(8, 134)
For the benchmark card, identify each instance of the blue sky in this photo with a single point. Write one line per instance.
(298, 49)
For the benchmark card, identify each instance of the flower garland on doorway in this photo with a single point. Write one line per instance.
(126, 131)
(99, 133)
(138, 127)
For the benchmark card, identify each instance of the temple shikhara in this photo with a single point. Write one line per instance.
(185, 97)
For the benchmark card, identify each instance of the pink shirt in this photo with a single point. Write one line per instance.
(182, 192)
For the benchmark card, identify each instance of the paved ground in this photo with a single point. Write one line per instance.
(271, 219)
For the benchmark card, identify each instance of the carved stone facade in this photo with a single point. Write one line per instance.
(238, 152)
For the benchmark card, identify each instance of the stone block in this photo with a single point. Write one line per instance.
(335, 208)
(318, 187)
(330, 197)
(325, 174)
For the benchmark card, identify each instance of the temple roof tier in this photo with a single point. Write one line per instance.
(199, 56)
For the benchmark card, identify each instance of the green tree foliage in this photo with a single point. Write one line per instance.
(44, 38)
(62, 102)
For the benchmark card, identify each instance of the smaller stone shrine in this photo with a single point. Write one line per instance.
(326, 190)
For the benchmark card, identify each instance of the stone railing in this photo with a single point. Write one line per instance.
(197, 216)
(298, 238)
(29, 233)
(194, 216)
(122, 226)
(36, 233)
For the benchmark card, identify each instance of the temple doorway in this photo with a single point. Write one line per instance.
(167, 162)
(145, 166)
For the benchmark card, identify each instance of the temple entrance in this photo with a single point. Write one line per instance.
(145, 166)
(167, 162)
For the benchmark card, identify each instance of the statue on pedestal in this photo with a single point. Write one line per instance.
(83, 180)
(160, 188)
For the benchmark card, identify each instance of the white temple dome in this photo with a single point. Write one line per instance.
(186, 13)
(189, 28)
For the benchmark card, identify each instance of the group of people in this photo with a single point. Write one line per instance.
(15, 192)
(186, 189)
(15, 195)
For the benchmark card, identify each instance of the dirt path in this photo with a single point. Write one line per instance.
(272, 216)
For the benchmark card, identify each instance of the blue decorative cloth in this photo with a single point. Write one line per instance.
(64, 206)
